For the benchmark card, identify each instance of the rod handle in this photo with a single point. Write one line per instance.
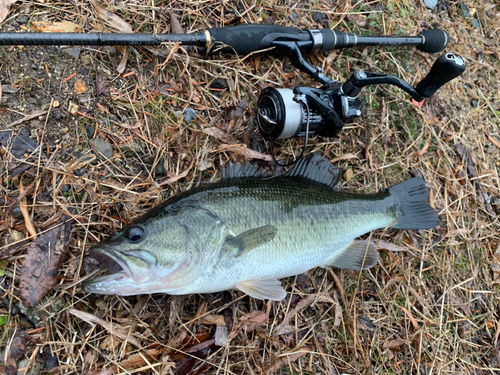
(245, 39)
(448, 67)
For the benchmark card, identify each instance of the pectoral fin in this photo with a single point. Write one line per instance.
(249, 240)
(359, 255)
(263, 289)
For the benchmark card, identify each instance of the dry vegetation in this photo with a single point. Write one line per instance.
(430, 307)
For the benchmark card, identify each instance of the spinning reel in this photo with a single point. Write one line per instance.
(306, 111)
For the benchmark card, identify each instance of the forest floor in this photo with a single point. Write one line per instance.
(93, 137)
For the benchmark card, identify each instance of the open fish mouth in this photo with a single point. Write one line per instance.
(127, 271)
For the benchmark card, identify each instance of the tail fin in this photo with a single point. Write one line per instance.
(413, 208)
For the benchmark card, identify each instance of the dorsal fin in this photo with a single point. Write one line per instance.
(241, 171)
(316, 169)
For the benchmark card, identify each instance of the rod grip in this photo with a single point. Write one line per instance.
(448, 67)
(245, 39)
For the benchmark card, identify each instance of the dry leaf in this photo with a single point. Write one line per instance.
(381, 244)
(175, 24)
(285, 359)
(242, 149)
(112, 19)
(80, 86)
(396, 345)
(31, 116)
(253, 320)
(123, 64)
(5, 8)
(138, 360)
(108, 326)
(173, 179)
(39, 270)
(55, 27)
(220, 135)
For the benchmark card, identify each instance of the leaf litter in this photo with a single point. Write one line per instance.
(427, 308)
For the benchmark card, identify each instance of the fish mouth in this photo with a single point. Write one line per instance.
(127, 270)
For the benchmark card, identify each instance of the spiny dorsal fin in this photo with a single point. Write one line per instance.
(359, 255)
(241, 171)
(249, 240)
(316, 169)
(263, 289)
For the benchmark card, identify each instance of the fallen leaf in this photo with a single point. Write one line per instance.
(5, 8)
(80, 86)
(108, 326)
(137, 360)
(39, 270)
(173, 179)
(283, 327)
(396, 345)
(254, 319)
(55, 27)
(101, 85)
(220, 135)
(32, 115)
(381, 244)
(358, 19)
(242, 149)
(16, 350)
(18, 145)
(123, 64)
(175, 24)
(112, 19)
(237, 115)
(286, 358)
(221, 337)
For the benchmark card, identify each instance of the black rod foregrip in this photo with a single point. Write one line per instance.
(448, 67)
(245, 39)
(99, 39)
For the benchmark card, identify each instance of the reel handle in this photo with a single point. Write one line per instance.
(449, 66)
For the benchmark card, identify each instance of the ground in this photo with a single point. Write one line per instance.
(93, 137)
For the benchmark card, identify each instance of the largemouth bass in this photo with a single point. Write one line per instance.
(247, 231)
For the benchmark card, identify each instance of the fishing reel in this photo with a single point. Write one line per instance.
(306, 111)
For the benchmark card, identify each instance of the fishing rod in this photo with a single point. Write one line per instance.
(244, 40)
(289, 112)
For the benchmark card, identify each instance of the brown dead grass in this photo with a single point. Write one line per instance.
(430, 307)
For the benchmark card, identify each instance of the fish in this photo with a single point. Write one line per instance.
(251, 229)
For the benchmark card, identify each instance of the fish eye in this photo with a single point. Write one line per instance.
(135, 234)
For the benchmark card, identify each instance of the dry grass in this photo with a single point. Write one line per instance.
(430, 307)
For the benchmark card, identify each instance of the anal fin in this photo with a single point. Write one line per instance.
(359, 255)
(263, 289)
